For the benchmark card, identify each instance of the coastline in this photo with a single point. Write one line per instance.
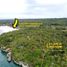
(19, 63)
(6, 29)
(3, 52)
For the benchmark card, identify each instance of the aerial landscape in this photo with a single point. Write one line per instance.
(37, 43)
(33, 33)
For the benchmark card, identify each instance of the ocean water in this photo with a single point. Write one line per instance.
(4, 62)
(5, 29)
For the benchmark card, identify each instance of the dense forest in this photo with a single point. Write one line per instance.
(39, 43)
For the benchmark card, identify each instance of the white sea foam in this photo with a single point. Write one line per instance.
(5, 29)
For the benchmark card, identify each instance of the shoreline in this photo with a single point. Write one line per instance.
(19, 63)
(7, 51)
(6, 29)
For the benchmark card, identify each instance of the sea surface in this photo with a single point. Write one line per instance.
(5, 29)
(4, 62)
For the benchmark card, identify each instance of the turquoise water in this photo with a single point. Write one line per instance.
(4, 62)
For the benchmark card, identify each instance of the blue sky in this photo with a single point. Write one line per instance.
(33, 9)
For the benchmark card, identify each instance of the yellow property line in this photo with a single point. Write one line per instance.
(15, 23)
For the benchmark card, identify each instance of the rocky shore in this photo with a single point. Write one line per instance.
(9, 57)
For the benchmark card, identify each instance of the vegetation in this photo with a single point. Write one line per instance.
(29, 44)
